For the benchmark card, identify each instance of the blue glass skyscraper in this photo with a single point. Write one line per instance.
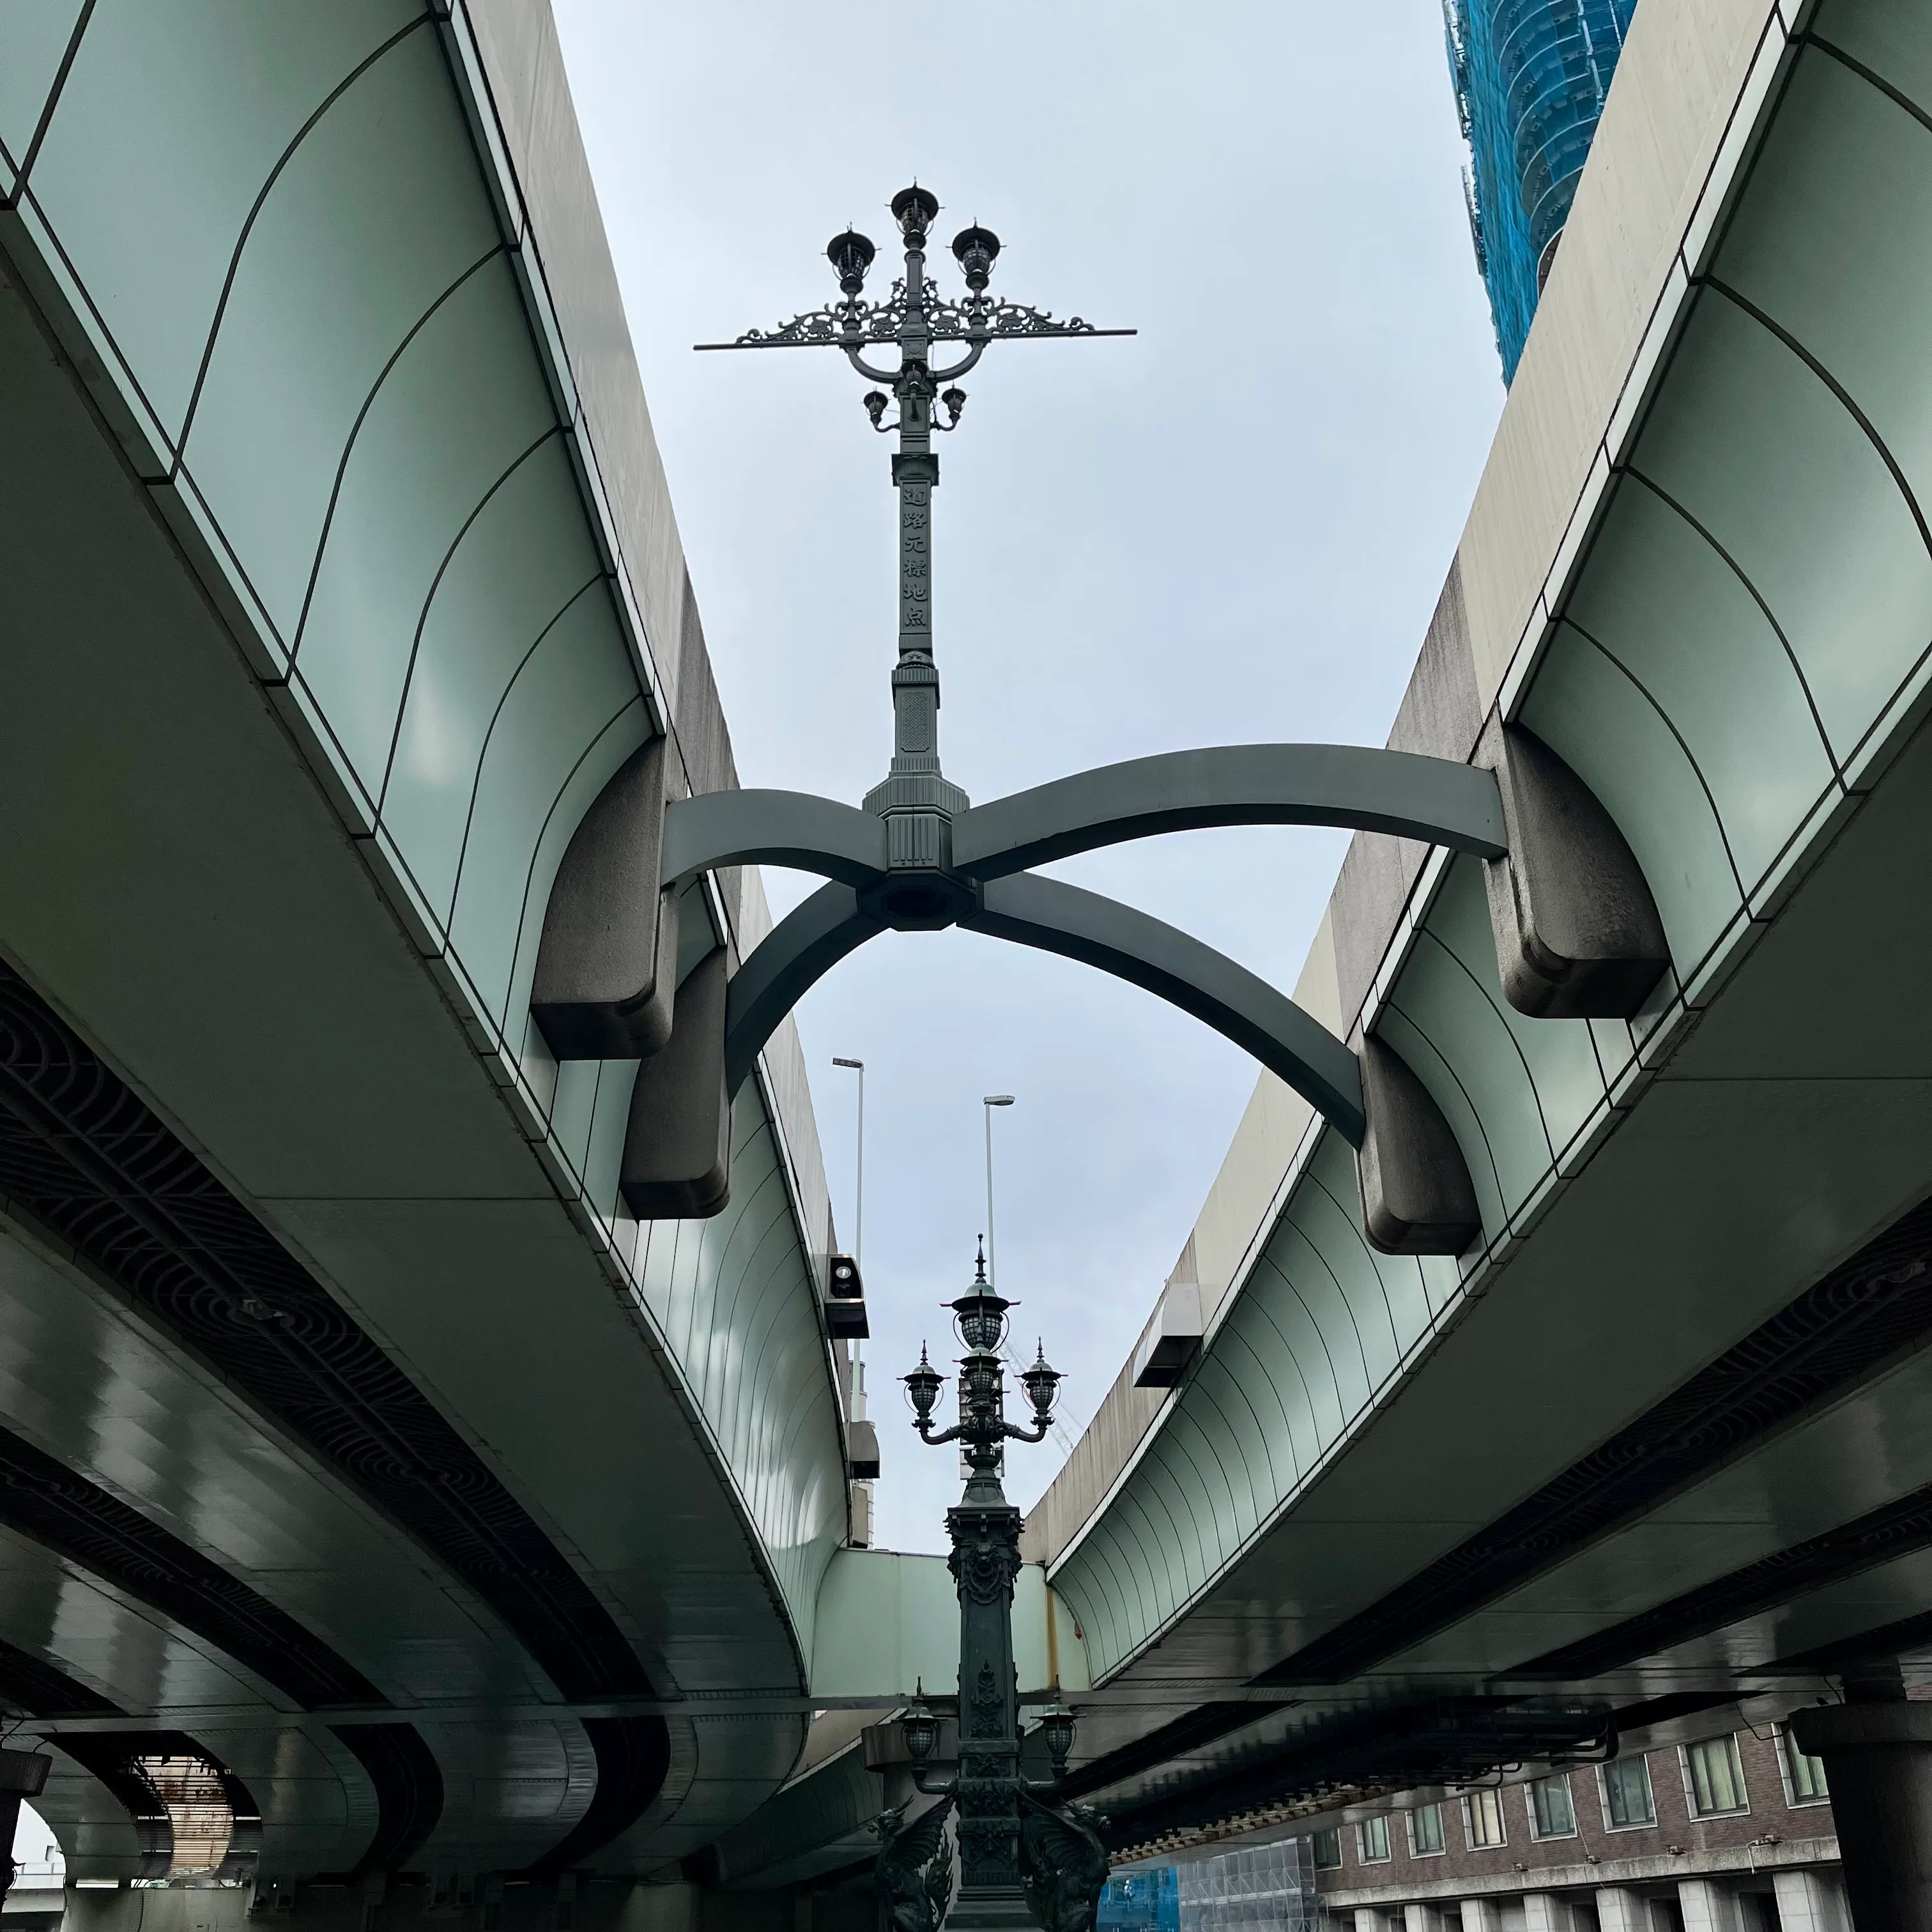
(1530, 77)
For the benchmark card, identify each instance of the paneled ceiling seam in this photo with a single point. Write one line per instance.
(1840, 1332)
(1847, 401)
(56, 1507)
(41, 1690)
(1756, 596)
(563, 610)
(482, 503)
(52, 101)
(1393, 1005)
(1690, 758)
(382, 375)
(248, 228)
(195, 1263)
(1458, 965)
(1895, 1529)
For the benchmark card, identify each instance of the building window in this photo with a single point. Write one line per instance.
(1551, 1813)
(1425, 1831)
(1804, 1775)
(1372, 1845)
(1713, 1777)
(1483, 1817)
(1627, 1799)
(1327, 1850)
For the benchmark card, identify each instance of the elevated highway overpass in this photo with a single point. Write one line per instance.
(1658, 1441)
(390, 1429)
(358, 1436)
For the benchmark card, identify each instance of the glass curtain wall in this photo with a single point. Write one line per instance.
(1265, 1888)
(1531, 78)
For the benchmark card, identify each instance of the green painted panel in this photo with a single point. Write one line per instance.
(1434, 1072)
(573, 1107)
(1558, 1054)
(1175, 1493)
(1610, 734)
(1253, 1419)
(172, 122)
(1283, 1304)
(33, 37)
(1142, 1507)
(551, 750)
(377, 216)
(1255, 1353)
(524, 563)
(1665, 606)
(464, 402)
(736, 1301)
(1842, 200)
(603, 1148)
(1758, 449)
(1438, 998)
(1346, 1256)
(1090, 1588)
(1221, 1413)
(1892, 37)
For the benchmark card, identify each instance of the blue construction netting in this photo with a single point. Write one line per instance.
(1531, 78)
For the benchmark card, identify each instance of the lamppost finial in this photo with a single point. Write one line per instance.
(916, 800)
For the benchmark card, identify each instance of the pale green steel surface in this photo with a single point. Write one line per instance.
(889, 1624)
(277, 218)
(734, 1298)
(1747, 644)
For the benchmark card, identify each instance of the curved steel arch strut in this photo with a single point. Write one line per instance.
(1077, 925)
(1431, 799)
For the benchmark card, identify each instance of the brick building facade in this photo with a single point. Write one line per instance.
(1728, 1831)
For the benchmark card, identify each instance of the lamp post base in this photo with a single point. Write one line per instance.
(991, 1909)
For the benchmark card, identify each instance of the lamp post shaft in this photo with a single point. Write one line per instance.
(989, 1787)
(916, 800)
(985, 1531)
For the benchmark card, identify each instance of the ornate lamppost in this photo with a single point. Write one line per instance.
(918, 855)
(1023, 1863)
(917, 802)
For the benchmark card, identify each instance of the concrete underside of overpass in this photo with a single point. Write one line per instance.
(350, 1431)
(353, 1434)
(1660, 1446)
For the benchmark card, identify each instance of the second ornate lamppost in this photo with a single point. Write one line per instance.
(989, 1788)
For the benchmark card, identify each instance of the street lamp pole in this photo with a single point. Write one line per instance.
(858, 1066)
(1002, 1862)
(986, 1106)
(918, 804)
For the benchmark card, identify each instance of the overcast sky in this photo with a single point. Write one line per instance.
(1231, 528)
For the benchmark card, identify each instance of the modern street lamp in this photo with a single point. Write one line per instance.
(1018, 1856)
(986, 1106)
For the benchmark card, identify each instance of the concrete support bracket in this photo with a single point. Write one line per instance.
(1578, 935)
(608, 958)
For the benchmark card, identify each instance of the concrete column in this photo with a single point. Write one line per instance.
(1369, 1918)
(1878, 1759)
(1544, 1911)
(1620, 1911)
(1482, 1915)
(1421, 1915)
(1708, 1906)
(1808, 1901)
